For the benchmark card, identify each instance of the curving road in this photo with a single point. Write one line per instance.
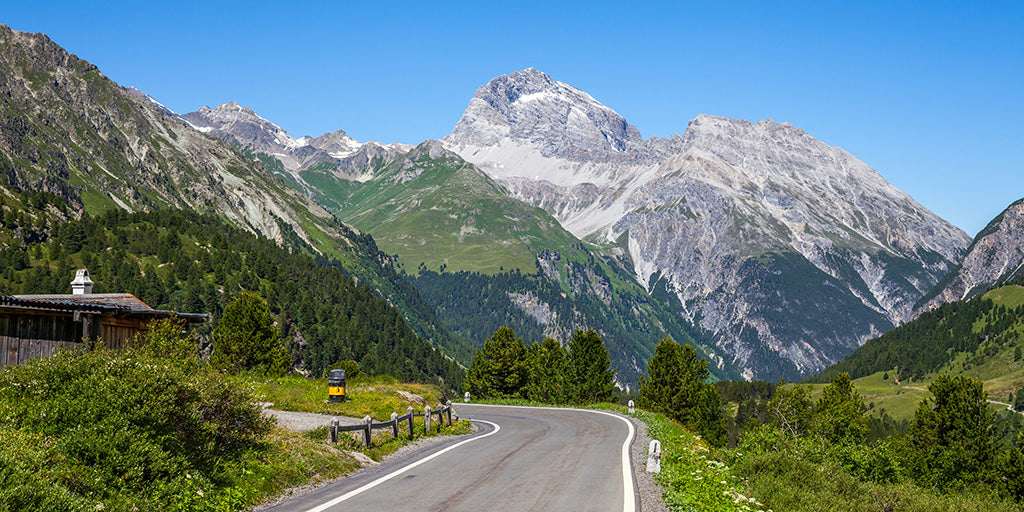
(521, 458)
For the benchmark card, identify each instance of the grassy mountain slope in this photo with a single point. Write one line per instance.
(433, 208)
(67, 129)
(982, 337)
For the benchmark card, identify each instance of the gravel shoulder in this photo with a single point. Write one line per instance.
(650, 490)
(306, 421)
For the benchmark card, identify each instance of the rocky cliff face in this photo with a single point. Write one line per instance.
(787, 251)
(996, 256)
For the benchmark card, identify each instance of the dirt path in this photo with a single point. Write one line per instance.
(1008, 406)
(305, 421)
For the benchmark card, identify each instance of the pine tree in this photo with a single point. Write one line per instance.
(663, 379)
(500, 369)
(676, 385)
(950, 434)
(590, 368)
(839, 413)
(246, 339)
(549, 368)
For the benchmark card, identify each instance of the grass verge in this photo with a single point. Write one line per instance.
(376, 396)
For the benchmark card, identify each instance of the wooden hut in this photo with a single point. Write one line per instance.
(33, 326)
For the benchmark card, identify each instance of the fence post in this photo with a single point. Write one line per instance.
(366, 433)
(632, 408)
(332, 435)
(654, 457)
(409, 411)
(394, 424)
(449, 413)
(426, 418)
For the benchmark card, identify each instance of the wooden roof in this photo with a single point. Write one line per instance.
(103, 303)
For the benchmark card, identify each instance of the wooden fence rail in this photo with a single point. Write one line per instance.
(367, 427)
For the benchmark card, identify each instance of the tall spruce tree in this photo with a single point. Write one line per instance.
(676, 385)
(593, 379)
(951, 434)
(246, 339)
(500, 369)
(664, 378)
(549, 368)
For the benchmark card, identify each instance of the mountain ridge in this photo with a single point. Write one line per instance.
(995, 256)
(701, 214)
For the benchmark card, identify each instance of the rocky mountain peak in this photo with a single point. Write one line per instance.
(433, 149)
(996, 256)
(334, 142)
(242, 125)
(529, 106)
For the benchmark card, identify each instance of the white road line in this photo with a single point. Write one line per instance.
(628, 492)
(393, 474)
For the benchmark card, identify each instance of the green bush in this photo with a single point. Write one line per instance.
(351, 368)
(125, 430)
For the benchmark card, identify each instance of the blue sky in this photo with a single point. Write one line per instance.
(930, 94)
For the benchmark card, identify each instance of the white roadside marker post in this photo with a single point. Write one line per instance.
(654, 457)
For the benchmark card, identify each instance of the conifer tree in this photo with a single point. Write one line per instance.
(500, 369)
(951, 434)
(839, 413)
(246, 339)
(590, 368)
(676, 385)
(663, 379)
(548, 372)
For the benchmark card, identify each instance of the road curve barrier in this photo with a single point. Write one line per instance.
(443, 413)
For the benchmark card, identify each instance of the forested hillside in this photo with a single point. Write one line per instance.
(557, 300)
(971, 330)
(189, 262)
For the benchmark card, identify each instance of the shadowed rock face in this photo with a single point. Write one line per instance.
(787, 251)
(995, 256)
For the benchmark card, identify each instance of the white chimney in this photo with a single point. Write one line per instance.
(82, 285)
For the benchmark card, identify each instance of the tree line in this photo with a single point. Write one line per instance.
(548, 372)
(933, 339)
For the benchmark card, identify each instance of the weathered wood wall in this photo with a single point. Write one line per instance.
(27, 335)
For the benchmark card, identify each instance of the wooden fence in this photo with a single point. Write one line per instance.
(368, 426)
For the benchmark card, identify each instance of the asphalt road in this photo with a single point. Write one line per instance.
(522, 458)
